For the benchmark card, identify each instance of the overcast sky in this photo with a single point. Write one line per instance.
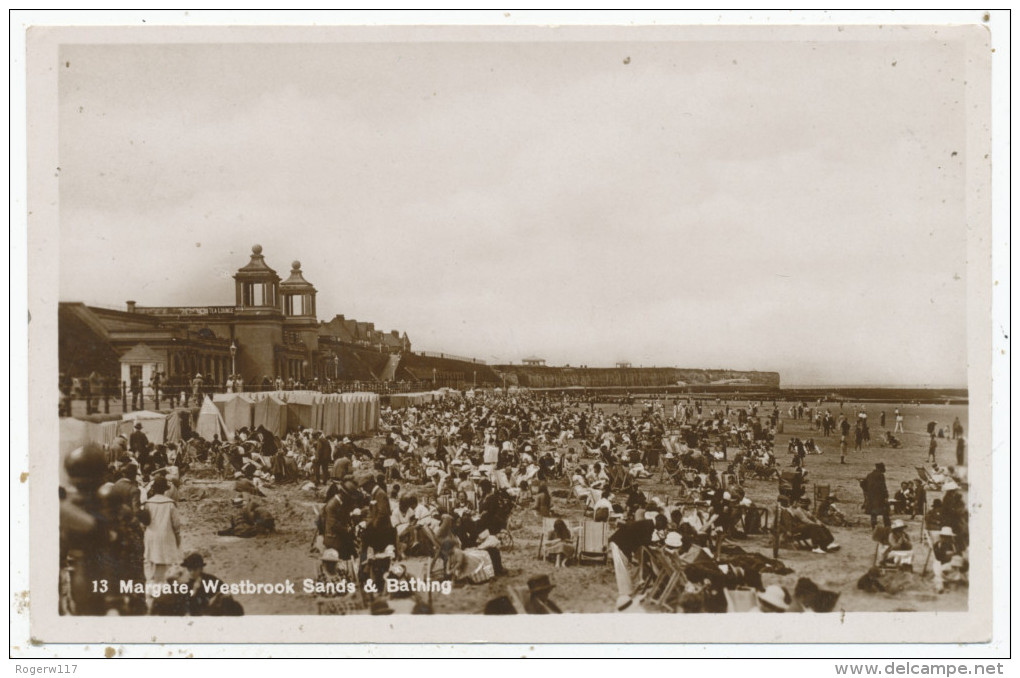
(789, 206)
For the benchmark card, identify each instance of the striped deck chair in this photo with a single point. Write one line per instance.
(929, 482)
(446, 503)
(672, 578)
(594, 543)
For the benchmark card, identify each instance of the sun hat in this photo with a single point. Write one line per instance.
(673, 540)
(947, 531)
(540, 583)
(774, 598)
(898, 524)
(950, 485)
(331, 555)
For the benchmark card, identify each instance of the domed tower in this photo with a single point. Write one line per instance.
(258, 326)
(257, 285)
(298, 295)
(299, 318)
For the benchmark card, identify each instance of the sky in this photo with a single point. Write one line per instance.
(796, 206)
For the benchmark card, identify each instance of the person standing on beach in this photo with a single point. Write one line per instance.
(842, 450)
(932, 446)
(899, 422)
(876, 495)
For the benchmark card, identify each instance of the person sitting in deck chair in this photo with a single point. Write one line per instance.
(949, 564)
(808, 527)
(899, 551)
(559, 542)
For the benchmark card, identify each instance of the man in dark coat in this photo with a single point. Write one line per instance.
(630, 537)
(876, 495)
(323, 458)
(138, 443)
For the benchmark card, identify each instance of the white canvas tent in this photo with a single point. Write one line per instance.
(271, 412)
(237, 413)
(153, 425)
(210, 423)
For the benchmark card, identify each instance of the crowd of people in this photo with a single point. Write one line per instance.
(446, 483)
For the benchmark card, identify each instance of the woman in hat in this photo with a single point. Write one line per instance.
(899, 551)
(948, 564)
(163, 533)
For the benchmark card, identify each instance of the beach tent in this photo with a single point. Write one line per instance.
(173, 427)
(178, 425)
(299, 410)
(271, 412)
(102, 433)
(237, 413)
(210, 423)
(153, 425)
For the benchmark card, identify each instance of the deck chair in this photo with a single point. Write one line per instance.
(928, 539)
(741, 600)
(594, 546)
(783, 532)
(445, 503)
(821, 494)
(880, 535)
(755, 520)
(547, 526)
(674, 583)
(620, 481)
(517, 595)
(668, 574)
(651, 570)
(791, 485)
(929, 482)
(437, 556)
(670, 470)
(351, 603)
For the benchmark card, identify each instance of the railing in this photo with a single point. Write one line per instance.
(449, 356)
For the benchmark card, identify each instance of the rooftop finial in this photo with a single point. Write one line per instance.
(256, 249)
(295, 265)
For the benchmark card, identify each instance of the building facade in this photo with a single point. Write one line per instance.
(270, 332)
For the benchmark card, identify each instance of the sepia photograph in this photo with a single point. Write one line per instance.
(466, 321)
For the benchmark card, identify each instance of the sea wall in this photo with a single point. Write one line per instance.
(562, 377)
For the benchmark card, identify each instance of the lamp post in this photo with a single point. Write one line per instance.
(336, 366)
(233, 359)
